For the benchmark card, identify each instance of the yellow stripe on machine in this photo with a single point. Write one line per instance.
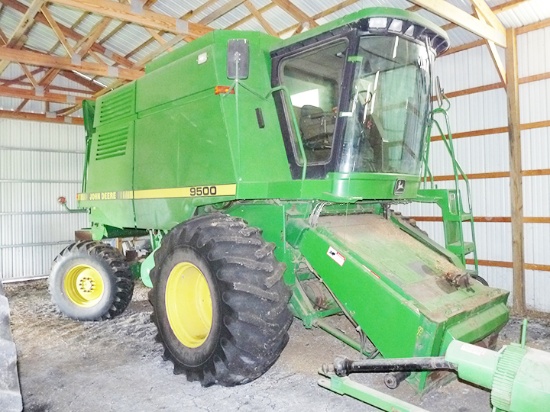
(176, 192)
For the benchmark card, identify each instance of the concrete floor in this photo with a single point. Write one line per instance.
(66, 365)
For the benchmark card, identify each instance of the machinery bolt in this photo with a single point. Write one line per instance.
(392, 380)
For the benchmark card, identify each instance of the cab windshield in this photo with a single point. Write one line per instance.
(390, 100)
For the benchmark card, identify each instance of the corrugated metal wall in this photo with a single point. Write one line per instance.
(38, 163)
(534, 59)
(480, 154)
(488, 153)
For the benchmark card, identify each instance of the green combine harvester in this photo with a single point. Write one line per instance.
(263, 172)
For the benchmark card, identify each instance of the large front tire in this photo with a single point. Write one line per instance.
(220, 304)
(91, 281)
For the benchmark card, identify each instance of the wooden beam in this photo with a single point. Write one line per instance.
(70, 33)
(97, 57)
(196, 11)
(21, 105)
(86, 43)
(472, 90)
(474, 133)
(536, 172)
(160, 40)
(535, 78)
(501, 70)
(29, 75)
(492, 175)
(220, 11)
(140, 47)
(57, 30)
(65, 63)
(316, 17)
(477, 219)
(262, 10)
(30, 94)
(164, 45)
(26, 22)
(38, 117)
(112, 86)
(495, 130)
(68, 110)
(497, 61)
(488, 15)
(47, 80)
(482, 15)
(146, 18)
(17, 39)
(114, 31)
(80, 19)
(295, 12)
(462, 19)
(507, 6)
(90, 85)
(161, 49)
(535, 26)
(516, 184)
(19, 79)
(465, 46)
(263, 22)
(495, 86)
(536, 219)
(3, 37)
(472, 176)
(487, 219)
(496, 9)
(501, 264)
(54, 88)
(146, 43)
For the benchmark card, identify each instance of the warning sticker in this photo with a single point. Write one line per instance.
(336, 256)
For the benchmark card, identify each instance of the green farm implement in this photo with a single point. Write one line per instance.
(263, 173)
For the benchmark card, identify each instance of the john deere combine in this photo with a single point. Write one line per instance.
(263, 171)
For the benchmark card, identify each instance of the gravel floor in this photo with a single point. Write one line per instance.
(66, 365)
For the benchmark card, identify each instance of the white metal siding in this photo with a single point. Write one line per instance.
(533, 59)
(38, 163)
(489, 153)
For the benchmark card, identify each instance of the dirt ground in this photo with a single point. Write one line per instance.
(116, 365)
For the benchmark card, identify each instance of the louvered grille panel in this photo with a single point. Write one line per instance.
(112, 144)
(116, 106)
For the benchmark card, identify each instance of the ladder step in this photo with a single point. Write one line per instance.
(467, 216)
(459, 217)
(455, 247)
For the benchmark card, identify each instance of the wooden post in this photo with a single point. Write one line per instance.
(516, 186)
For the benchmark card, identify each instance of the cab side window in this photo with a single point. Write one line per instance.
(313, 80)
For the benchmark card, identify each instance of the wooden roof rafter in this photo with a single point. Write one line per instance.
(463, 19)
(92, 49)
(63, 33)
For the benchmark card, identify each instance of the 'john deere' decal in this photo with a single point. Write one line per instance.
(399, 187)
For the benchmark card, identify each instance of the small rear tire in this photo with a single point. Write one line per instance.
(91, 281)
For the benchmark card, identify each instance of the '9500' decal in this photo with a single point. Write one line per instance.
(190, 191)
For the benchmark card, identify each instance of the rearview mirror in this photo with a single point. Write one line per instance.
(238, 59)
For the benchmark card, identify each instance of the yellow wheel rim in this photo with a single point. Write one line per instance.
(84, 285)
(188, 304)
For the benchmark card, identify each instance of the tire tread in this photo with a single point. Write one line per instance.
(255, 314)
(118, 268)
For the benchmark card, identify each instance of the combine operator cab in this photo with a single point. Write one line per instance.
(358, 102)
